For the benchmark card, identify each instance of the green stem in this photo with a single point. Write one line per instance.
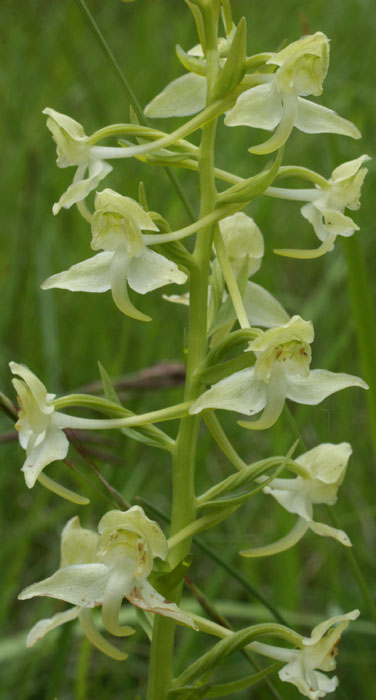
(183, 495)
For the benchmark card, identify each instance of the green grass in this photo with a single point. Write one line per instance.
(50, 58)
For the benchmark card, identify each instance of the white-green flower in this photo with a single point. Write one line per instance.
(72, 149)
(101, 569)
(325, 206)
(278, 102)
(243, 240)
(40, 427)
(317, 653)
(281, 371)
(324, 470)
(117, 228)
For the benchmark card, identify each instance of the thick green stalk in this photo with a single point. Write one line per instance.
(183, 496)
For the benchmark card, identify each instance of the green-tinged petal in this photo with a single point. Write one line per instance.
(151, 270)
(181, 98)
(62, 491)
(327, 462)
(286, 542)
(118, 274)
(53, 446)
(78, 544)
(283, 129)
(319, 384)
(347, 170)
(80, 187)
(79, 584)
(36, 387)
(119, 582)
(134, 520)
(308, 253)
(111, 201)
(321, 629)
(259, 107)
(262, 308)
(275, 401)
(242, 237)
(91, 275)
(144, 596)
(313, 685)
(328, 531)
(314, 216)
(44, 626)
(292, 495)
(241, 392)
(95, 637)
(69, 137)
(338, 224)
(316, 119)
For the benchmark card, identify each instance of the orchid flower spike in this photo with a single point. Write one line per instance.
(100, 569)
(72, 149)
(278, 102)
(325, 207)
(117, 228)
(325, 467)
(281, 371)
(317, 653)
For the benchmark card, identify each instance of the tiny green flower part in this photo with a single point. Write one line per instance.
(317, 653)
(325, 467)
(72, 149)
(278, 102)
(101, 569)
(117, 228)
(281, 370)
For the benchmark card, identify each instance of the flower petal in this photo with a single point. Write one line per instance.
(150, 271)
(54, 446)
(286, 542)
(144, 596)
(79, 584)
(318, 385)
(348, 169)
(275, 401)
(180, 98)
(80, 187)
(328, 531)
(118, 281)
(119, 582)
(262, 308)
(49, 623)
(316, 119)
(36, 387)
(283, 130)
(91, 275)
(97, 639)
(259, 107)
(78, 544)
(240, 392)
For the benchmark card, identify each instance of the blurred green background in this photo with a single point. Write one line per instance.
(50, 58)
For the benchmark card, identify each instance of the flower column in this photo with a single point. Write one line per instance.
(183, 505)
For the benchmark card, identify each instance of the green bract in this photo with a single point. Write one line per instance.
(117, 228)
(102, 569)
(72, 149)
(301, 70)
(281, 371)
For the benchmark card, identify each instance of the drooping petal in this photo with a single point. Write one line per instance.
(259, 107)
(314, 216)
(79, 584)
(319, 384)
(81, 187)
(144, 596)
(291, 494)
(316, 119)
(275, 401)
(118, 281)
(339, 224)
(42, 627)
(97, 639)
(281, 545)
(52, 447)
(313, 685)
(119, 582)
(180, 98)
(328, 531)
(91, 275)
(240, 392)
(151, 270)
(283, 130)
(262, 308)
